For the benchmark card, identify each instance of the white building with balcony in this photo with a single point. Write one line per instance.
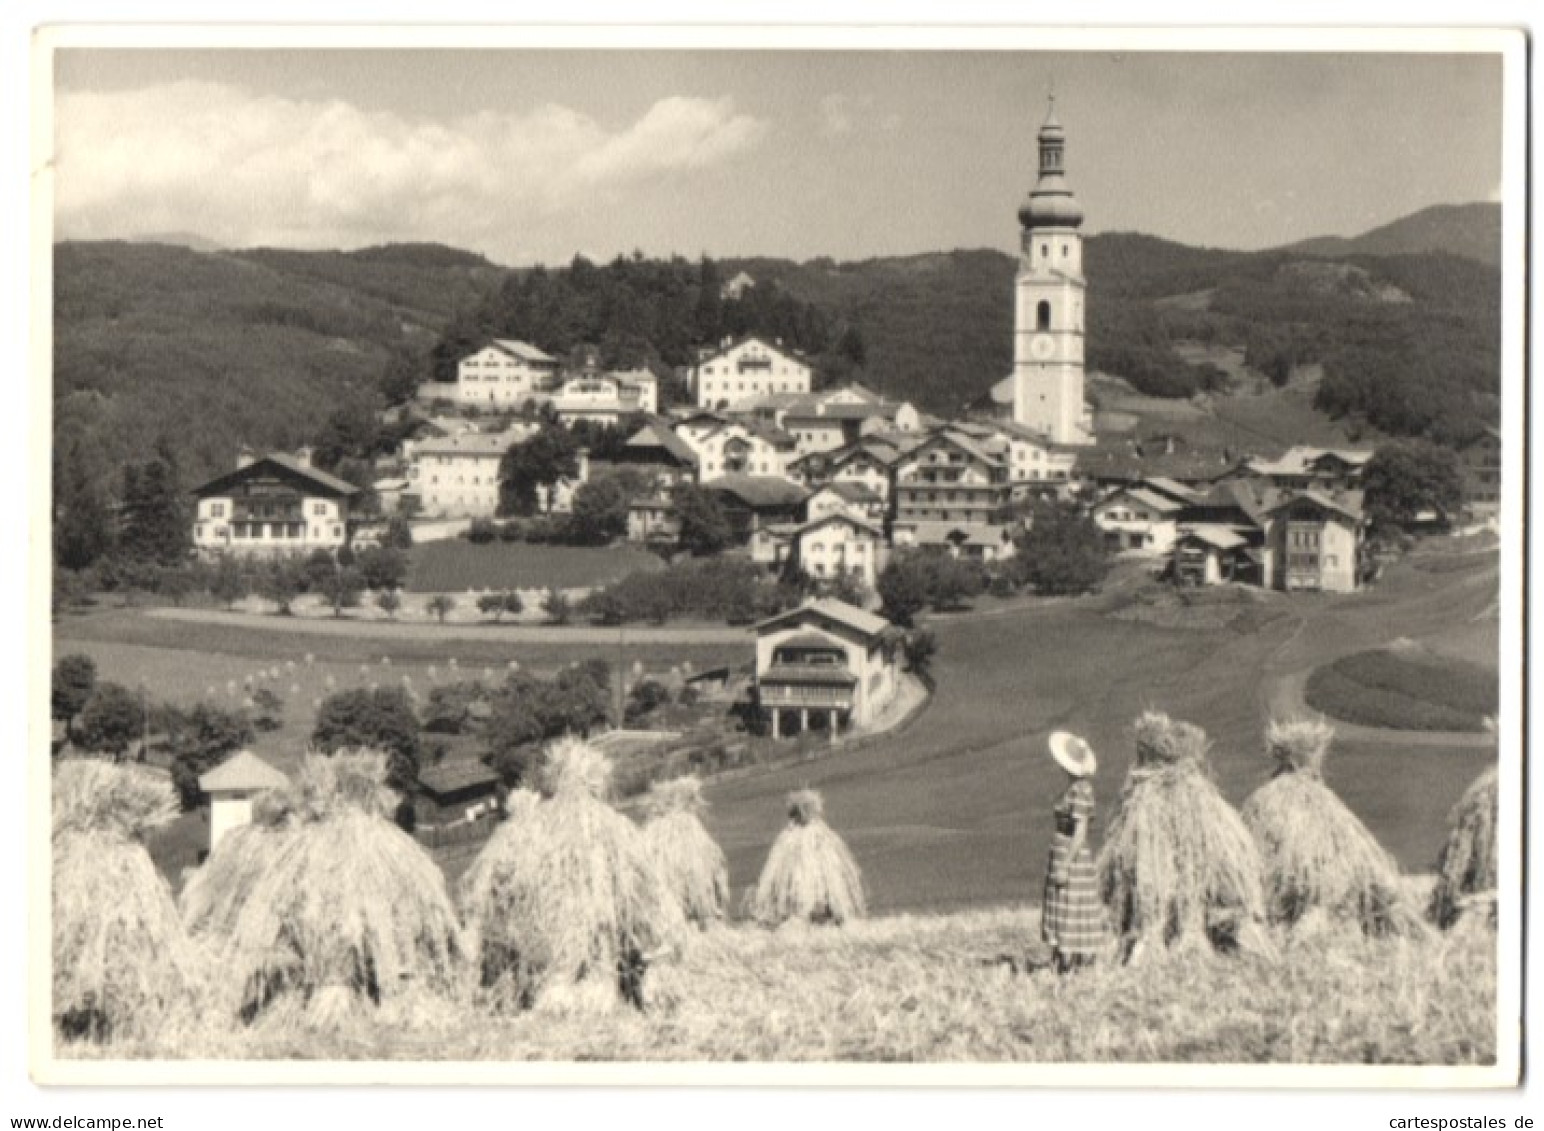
(272, 504)
(824, 666)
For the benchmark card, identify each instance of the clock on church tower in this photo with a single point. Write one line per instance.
(1048, 312)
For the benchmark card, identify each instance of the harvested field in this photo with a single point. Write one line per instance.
(934, 988)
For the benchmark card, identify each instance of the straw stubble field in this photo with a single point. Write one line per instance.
(932, 988)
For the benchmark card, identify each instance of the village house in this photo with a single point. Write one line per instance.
(1137, 518)
(1480, 466)
(867, 465)
(950, 477)
(752, 502)
(1033, 463)
(1302, 468)
(392, 492)
(836, 418)
(458, 476)
(652, 518)
(840, 544)
(740, 448)
(1251, 532)
(1313, 541)
(231, 787)
(604, 400)
(1208, 553)
(825, 665)
(744, 370)
(847, 497)
(454, 792)
(273, 504)
(504, 373)
(655, 447)
(737, 286)
(984, 542)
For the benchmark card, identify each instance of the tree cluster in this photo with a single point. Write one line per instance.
(724, 589)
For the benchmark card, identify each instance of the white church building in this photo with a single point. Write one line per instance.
(1045, 391)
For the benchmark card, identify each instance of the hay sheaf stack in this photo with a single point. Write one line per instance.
(1323, 869)
(324, 908)
(1466, 869)
(122, 964)
(1179, 869)
(688, 859)
(564, 906)
(809, 874)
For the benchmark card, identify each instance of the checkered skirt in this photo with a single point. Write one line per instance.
(1072, 917)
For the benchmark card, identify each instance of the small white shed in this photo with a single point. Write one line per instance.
(231, 786)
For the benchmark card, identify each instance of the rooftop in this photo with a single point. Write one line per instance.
(453, 777)
(329, 483)
(759, 490)
(470, 444)
(866, 623)
(523, 350)
(242, 771)
(1213, 534)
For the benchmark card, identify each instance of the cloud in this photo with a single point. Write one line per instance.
(841, 114)
(246, 169)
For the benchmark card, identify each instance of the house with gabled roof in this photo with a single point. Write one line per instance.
(504, 373)
(847, 497)
(741, 447)
(751, 502)
(825, 665)
(1137, 518)
(1300, 468)
(1314, 541)
(656, 447)
(273, 504)
(741, 371)
(232, 786)
(950, 477)
(983, 542)
(458, 476)
(1207, 553)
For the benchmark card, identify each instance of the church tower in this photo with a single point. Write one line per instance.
(1048, 310)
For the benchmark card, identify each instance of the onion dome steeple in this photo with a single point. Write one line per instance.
(1051, 203)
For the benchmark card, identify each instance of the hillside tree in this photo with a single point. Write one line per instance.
(111, 720)
(1063, 551)
(543, 461)
(1405, 478)
(74, 679)
(704, 526)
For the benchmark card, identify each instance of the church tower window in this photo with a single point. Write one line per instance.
(1043, 316)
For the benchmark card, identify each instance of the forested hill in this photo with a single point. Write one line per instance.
(1408, 342)
(205, 351)
(1469, 230)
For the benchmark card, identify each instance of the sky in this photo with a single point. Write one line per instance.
(536, 156)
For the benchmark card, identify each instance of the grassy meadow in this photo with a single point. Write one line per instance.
(455, 565)
(937, 988)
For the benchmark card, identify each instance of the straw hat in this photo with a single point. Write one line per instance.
(1073, 754)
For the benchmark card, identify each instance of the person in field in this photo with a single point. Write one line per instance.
(1073, 921)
